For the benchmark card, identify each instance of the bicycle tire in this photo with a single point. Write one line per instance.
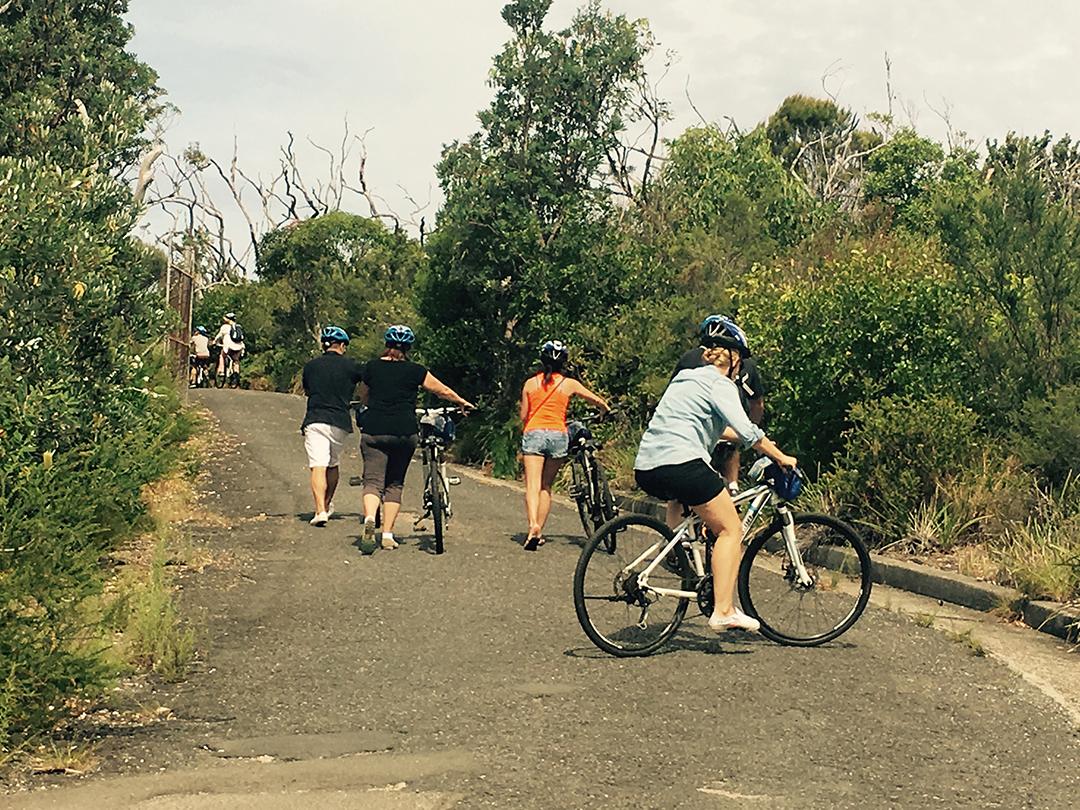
(611, 607)
(798, 615)
(435, 483)
(580, 474)
(604, 508)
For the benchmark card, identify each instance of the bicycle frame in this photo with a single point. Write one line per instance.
(688, 533)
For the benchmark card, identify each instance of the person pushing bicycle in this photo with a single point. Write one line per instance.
(390, 383)
(231, 339)
(699, 407)
(545, 441)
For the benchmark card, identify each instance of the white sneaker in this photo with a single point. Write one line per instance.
(736, 621)
(330, 509)
(320, 519)
(388, 541)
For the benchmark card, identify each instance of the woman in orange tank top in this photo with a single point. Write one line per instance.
(544, 399)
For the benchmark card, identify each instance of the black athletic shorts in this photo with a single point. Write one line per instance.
(691, 483)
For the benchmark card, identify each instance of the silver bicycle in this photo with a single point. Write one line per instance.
(805, 577)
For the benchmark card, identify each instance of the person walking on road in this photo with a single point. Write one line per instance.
(390, 384)
(329, 382)
(545, 441)
(699, 406)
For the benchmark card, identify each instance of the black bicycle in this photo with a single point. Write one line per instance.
(589, 484)
(437, 431)
(231, 377)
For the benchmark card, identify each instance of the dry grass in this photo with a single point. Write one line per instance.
(69, 758)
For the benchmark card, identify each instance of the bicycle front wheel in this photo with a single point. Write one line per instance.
(811, 612)
(619, 611)
(438, 499)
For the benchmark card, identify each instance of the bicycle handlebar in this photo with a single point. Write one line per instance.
(442, 409)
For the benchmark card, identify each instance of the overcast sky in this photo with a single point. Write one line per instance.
(413, 73)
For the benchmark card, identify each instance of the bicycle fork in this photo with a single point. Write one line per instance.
(787, 529)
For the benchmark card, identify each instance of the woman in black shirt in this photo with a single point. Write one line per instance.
(389, 385)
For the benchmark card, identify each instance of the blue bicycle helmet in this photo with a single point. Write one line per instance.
(718, 331)
(334, 334)
(399, 335)
(555, 351)
(201, 330)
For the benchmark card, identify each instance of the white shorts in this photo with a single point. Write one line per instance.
(323, 444)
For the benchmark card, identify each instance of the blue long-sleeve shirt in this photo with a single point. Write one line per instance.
(690, 419)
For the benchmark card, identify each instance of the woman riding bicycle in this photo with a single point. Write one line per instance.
(389, 385)
(545, 442)
(701, 406)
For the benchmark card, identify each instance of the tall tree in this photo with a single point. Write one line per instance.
(1016, 248)
(822, 145)
(520, 252)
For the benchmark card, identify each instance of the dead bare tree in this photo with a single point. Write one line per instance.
(651, 111)
(185, 206)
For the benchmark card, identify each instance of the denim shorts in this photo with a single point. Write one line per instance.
(548, 443)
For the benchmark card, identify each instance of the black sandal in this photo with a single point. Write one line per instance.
(532, 544)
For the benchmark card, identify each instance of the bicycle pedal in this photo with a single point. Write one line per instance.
(453, 480)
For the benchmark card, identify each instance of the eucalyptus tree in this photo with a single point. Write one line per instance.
(522, 250)
(823, 146)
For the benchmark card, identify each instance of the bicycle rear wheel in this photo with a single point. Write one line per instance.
(579, 473)
(806, 615)
(618, 613)
(604, 508)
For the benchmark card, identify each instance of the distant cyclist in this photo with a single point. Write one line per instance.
(725, 457)
(200, 355)
(230, 337)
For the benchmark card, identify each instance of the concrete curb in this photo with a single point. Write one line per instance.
(1056, 619)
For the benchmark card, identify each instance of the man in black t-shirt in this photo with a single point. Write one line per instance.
(329, 382)
(725, 457)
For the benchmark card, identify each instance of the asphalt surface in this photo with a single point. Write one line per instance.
(412, 680)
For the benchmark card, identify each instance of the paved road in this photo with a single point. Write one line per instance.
(410, 680)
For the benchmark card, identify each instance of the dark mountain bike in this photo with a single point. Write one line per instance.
(589, 484)
(437, 432)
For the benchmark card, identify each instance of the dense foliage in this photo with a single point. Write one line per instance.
(86, 418)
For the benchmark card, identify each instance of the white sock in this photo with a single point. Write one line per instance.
(387, 535)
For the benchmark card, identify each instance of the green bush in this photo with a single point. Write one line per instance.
(895, 456)
(1048, 435)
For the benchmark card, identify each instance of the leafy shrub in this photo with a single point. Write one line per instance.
(1048, 436)
(897, 453)
(871, 324)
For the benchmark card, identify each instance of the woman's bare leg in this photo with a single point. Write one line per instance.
(722, 519)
